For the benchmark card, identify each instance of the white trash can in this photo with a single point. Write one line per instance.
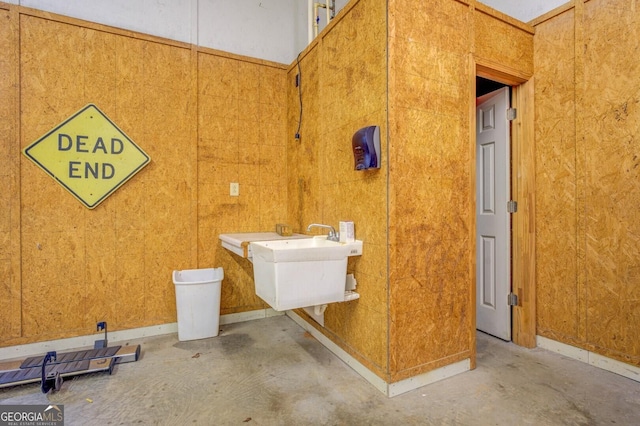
(198, 302)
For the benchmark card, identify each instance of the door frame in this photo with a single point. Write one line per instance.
(523, 260)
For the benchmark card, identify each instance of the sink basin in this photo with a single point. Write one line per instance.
(239, 243)
(307, 249)
(291, 274)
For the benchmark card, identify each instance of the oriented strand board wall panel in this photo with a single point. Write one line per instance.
(112, 263)
(432, 230)
(344, 87)
(304, 201)
(556, 197)
(353, 81)
(429, 186)
(241, 138)
(503, 41)
(69, 267)
(10, 297)
(588, 187)
(612, 186)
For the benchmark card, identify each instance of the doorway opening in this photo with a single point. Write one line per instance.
(493, 221)
(484, 86)
(522, 191)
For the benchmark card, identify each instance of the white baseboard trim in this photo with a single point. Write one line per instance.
(629, 371)
(429, 377)
(367, 374)
(41, 348)
(59, 345)
(389, 389)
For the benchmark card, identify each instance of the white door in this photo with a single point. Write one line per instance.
(493, 236)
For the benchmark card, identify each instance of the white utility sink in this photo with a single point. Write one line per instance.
(239, 243)
(308, 249)
(297, 273)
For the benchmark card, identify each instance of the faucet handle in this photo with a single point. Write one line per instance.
(333, 235)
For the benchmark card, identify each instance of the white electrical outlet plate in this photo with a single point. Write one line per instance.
(234, 189)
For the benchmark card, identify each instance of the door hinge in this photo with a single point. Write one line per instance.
(512, 206)
(512, 113)
(512, 299)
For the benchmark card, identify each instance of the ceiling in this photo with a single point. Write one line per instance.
(524, 10)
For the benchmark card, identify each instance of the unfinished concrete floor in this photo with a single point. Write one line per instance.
(271, 372)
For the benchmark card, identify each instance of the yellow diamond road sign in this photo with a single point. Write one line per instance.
(88, 155)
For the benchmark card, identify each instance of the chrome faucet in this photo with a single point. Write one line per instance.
(333, 235)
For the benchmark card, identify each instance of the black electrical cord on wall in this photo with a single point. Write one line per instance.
(299, 83)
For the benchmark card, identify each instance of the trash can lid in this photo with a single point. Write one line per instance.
(198, 276)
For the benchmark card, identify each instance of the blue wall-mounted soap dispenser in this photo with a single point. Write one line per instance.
(366, 148)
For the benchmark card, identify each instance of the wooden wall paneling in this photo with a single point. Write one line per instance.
(218, 153)
(303, 153)
(581, 176)
(53, 240)
(241, 130)
(130, 251)
(587, 188)
(170, 175)
(429, 186)
(10, 265)
(556, 177)
(115, 262)
(272, 172)
(343, 87)
(610, 111)
(98, 76)
(192, 150)
(272, 148)
(128, 113)
(84, 247)
(352, 63)
(502, 41)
